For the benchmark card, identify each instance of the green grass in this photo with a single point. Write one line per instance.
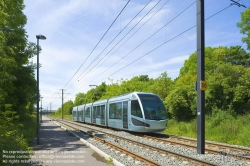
(220, 127)
(17, 134)
(68, 117)
(29, 127)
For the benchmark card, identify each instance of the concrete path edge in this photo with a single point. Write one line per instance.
(101, 153)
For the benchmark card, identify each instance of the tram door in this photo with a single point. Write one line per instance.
(94, 114)
(125, 115)
(103, 114)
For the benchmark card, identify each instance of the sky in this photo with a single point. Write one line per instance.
(94, 41)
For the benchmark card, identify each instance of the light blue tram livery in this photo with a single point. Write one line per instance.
(136, 111)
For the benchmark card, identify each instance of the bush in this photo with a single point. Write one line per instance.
(221, 126)
(14, 134)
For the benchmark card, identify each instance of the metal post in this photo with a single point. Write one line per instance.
(37, 90)
(37, 95)
(62, 103)
(41, 109)
(200, 78)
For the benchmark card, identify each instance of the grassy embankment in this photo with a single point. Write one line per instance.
(219, 127)
(16, 135)
(68, 117)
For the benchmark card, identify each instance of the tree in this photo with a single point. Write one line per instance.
(181, 101)
(67, 108)
(17, 82)
(162, 85)
(226, 74)
(236, 55)
(113, 89)
(244, 24)
(228, 89)
(79, 99)
(138, 83)
(99, 91)
(17, 76)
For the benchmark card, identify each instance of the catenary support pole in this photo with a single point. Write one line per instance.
(200, 78)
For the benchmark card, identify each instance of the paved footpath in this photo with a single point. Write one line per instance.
(57, 147)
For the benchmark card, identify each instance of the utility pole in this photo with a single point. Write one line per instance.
(62, 102)
(201, 84)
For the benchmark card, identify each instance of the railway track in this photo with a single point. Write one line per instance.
(124, 151)
(184, 158)
(211, 147)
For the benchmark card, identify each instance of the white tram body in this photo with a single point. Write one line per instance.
(136, 111)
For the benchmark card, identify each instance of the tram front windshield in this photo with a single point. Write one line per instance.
(153, 107)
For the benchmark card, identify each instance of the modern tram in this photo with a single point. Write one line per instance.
(136, 111)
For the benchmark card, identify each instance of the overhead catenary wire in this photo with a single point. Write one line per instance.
(98, 43)
(162, 44)
(148, 37)
(125, 36)
(128, 33)
(113, 40)
(166, 42)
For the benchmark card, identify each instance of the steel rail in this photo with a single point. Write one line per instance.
(245, 152)
(133, 155)
(185, 157)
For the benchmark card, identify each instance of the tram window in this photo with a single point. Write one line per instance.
(102, 110)
(135, 108)
(74, 113)
(98, 112)
(115, 110)
(125, 108)
(87, 113)
(94, 111)
(80, 113)
(153, 107)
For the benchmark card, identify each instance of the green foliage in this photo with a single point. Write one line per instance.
(137, 83)
(162, 85)
(219, 127)
(79, 99)
(112, 90)
(67, 108)
(228, 88)
(53, 115)
(236, 55)
(13, 132)
(227, 70)
(245, 26)
(214, 57)
(17, 79)
(181, 128)
(99, 91)
(181, 101)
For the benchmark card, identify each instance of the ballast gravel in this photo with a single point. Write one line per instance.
(163, 159)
